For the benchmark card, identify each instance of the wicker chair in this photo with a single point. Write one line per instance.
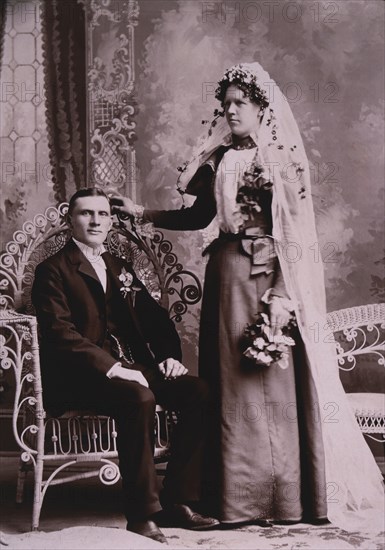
(359, 332)
(77, 445)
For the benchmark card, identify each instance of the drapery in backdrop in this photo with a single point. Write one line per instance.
(2, 26)
(64, 41)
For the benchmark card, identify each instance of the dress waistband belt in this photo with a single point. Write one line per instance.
(248, 234)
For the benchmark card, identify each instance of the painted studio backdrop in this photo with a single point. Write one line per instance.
(114, 92)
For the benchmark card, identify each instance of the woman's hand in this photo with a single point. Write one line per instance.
(123, 205)
(279, 315)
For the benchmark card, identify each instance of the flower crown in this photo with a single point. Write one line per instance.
(246, 80)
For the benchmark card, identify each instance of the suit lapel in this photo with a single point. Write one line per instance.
(84, 267)
(115, 265)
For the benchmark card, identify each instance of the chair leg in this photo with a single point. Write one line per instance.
(37, 494)
(22, 474)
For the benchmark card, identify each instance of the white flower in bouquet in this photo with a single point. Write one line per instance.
(264, 347)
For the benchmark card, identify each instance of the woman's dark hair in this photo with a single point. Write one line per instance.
(247, 81)
(250, 89)
(85, 192)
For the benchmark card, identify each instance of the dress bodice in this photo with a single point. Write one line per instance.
(229, 179)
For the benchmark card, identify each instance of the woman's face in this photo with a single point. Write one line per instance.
(242, 114)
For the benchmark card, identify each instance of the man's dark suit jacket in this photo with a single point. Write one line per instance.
(71, 309)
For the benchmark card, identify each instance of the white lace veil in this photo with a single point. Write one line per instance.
(355, 498)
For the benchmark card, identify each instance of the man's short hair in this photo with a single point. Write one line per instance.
(85, 192)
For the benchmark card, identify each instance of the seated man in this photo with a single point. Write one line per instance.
(107, 346)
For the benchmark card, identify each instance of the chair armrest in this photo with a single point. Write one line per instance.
(367, 404)
(19, 352)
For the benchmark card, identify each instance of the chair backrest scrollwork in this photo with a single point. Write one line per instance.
(358, 331)
(38, 239)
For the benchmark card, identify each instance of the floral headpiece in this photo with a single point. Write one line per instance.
(246, 80)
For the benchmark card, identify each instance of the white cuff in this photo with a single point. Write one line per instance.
(113, 369)
(138, 213)
(267, 298)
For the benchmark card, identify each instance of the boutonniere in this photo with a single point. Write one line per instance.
(127, 279)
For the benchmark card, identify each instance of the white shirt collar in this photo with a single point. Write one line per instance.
(90, 253)
(96, 260)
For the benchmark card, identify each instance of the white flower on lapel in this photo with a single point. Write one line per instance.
(127, 279)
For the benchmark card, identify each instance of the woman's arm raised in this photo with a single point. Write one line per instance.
(197, 216)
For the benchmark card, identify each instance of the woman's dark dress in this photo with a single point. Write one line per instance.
(265, 458)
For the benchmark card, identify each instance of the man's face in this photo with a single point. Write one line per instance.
(91, 220)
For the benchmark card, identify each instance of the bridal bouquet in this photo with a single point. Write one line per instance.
(265, 348)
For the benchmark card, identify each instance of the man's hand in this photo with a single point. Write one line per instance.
(172, 368)
(279, 315)
(128, 374)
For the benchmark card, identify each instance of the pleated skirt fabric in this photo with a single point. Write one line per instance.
(265, 456)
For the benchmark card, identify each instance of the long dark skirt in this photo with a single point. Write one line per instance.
(265, 458)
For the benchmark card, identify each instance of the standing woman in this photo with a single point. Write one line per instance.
(285, 446)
